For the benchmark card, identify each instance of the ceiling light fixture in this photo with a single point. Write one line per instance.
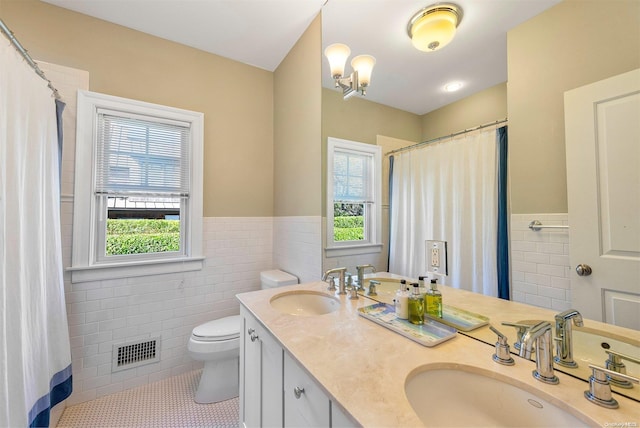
(433, 27)
(362, 65)
(453, 86)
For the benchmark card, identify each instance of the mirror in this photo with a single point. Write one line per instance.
(537, 155)
(594, 343)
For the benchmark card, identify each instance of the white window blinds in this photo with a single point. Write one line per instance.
(351, 180)
(141, 156)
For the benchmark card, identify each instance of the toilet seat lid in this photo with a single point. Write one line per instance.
(221, 329)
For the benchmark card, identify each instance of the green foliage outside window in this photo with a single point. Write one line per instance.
(349, 228)
(142, 236)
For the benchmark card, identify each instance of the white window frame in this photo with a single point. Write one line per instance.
(86, 265)
(374, 212)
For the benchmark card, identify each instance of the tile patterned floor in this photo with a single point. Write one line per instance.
(167, 403)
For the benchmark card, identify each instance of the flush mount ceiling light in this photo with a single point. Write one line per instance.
(433, 27)
(453, 86)
(362, 65)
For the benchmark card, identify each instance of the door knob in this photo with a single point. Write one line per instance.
(583, 270)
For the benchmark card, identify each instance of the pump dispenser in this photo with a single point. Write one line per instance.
(416, 306)
(433, 300)
(423, 287)
(402, 301)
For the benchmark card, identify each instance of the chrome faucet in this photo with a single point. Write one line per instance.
(564, 337)
(341, 283)
(360, 269)
(540, 334)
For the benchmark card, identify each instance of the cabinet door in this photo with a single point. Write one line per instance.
(272, 378)
(250, 371)
(260, 375)
(305, 404)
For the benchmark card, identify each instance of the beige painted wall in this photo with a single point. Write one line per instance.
(483, 107)
(297, 143)
(572, 44)
(236, 99)
(358, 119)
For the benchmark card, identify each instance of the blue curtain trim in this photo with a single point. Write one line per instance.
(391, 160)
(60, 388)
(59, 109)
(503, 232)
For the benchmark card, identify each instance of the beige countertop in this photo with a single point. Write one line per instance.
(363, 366)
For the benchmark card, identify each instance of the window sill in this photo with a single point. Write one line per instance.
(352, 250)
(127, 270)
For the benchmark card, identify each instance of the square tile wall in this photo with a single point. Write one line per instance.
(297, 246)
(540, 269)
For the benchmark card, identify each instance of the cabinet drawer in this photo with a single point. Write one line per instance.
(305, 404)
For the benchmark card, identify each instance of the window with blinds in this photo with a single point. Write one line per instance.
(142, 184)
(136, 155)
(352, 193)
(138, 189)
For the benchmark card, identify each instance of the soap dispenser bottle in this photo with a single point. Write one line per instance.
(402, 301)
(433, 300)
(416, 306)
(423, 287)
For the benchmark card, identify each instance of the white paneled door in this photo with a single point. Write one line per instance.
(602, 129)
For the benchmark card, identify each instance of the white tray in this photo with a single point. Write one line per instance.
(429, 334)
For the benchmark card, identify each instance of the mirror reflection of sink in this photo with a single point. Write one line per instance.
(460, 396)
(304, 303)
(589, 347)
(386, 289)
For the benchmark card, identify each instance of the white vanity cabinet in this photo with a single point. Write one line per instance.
(275, 391)
(260, 375)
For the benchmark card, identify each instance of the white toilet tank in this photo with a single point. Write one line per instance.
(276, 278)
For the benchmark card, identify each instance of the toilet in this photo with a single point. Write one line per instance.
(217, 343)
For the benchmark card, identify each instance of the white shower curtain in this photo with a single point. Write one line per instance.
(447, 191)
(35, 357)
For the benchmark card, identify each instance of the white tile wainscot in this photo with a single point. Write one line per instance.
(103, 313)
(540, 266)
(297, 246)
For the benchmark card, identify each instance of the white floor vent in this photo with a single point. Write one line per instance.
(135, 354)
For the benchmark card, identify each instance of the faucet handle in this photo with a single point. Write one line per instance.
(348, 279)
(600, 389)
(615, 364)
(620, 355)
(372, 288)
(502, 355)
(331, 281)
(521, 329)
(353, 295)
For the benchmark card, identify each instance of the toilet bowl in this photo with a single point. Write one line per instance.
(217, 343)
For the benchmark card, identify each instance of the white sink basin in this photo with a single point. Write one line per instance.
(457, 397)
(304, 303)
